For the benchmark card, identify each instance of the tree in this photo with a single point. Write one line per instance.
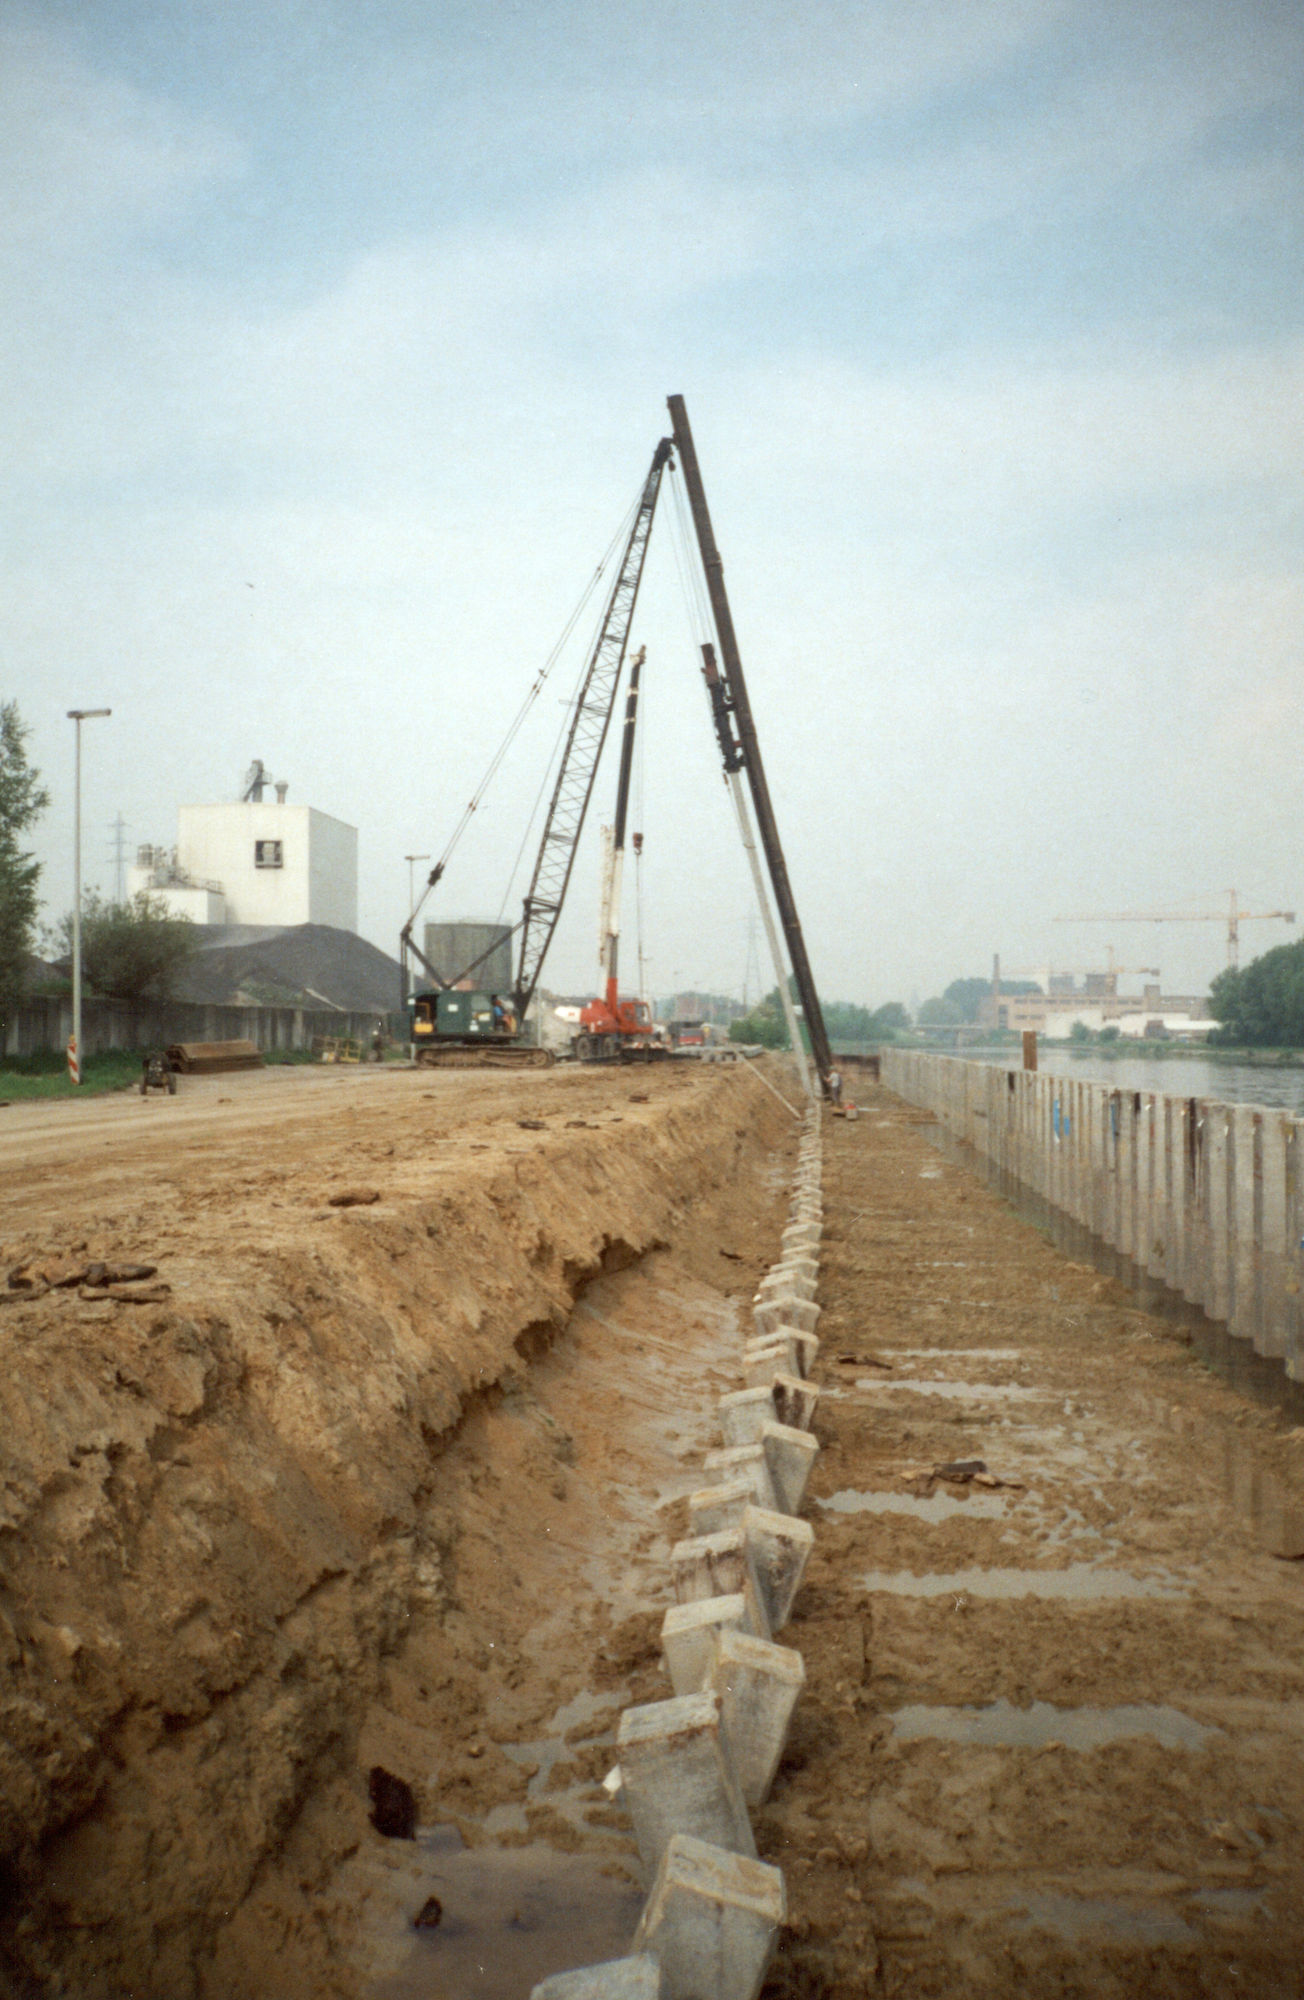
(22, 801)
(764, 1025)
(963, 1001)
(1262, 1005)
(130, 951)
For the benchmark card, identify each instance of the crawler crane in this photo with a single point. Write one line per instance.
(451, 1023)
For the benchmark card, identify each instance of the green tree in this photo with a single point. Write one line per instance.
(963, 999)
(765, 1024)
(888, 1021)
(1262, 1005)
(22, 801)
(133, 950)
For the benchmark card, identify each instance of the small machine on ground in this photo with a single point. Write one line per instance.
(157, 1073)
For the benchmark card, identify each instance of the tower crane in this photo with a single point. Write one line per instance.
(1234, 916)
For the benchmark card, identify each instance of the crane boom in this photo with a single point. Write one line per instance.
(584, 741)
(1234, 916)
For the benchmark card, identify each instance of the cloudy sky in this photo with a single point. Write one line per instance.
(336, 346)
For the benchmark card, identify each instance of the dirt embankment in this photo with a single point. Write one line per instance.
(226, 1512)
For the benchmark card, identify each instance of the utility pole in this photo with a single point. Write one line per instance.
(412, 860)
(77, 715)
(737, 700)
(118, 828)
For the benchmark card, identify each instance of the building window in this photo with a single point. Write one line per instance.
(267, 854)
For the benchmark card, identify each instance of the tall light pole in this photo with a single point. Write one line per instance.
(77, 715)
(411, 859)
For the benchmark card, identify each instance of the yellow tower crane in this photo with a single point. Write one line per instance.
(1234, 916)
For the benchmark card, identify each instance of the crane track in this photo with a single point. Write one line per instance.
(485, 1059)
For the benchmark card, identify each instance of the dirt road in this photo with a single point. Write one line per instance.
(393, 1485)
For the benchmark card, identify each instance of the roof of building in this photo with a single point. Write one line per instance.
(297, 965)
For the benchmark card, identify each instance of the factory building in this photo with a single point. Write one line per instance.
(255, 862)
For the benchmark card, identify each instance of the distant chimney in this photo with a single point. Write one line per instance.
(281, 789)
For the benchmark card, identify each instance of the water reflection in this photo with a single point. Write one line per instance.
(1078, 1917)
(1275, 1516)
(936, 1507)
(508, 1917)
(1078, 1581)
(1278, 1085)
(1033, 1727)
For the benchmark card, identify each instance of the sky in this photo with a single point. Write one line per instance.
(336, 344)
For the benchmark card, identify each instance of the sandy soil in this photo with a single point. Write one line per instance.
(361, 1487)
(394, 1484)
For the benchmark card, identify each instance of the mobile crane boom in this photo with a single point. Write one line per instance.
(584, 741)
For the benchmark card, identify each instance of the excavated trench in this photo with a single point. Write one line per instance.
(377, 1488)
(389, 1487)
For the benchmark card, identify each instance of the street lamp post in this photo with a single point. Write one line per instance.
(411, 859)
(77, 715)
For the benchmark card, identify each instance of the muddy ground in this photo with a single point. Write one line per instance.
(393, 1484)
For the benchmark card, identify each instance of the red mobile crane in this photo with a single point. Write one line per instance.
(612, 1029)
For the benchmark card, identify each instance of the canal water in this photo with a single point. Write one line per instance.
(1279, 1085)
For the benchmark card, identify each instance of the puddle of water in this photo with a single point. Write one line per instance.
(953, 1354)
(920, 1386)
(1029, 1728)
(937, 1507)
(1230, 1902)
(1078, 1581)
(547, 1752)
(510, 1917)
(1077, 1917)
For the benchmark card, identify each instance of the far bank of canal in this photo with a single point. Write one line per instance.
(1272, 1081)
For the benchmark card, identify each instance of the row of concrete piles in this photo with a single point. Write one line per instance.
(693, 1768)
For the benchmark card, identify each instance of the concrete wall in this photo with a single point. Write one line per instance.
(114, 1024)
(315, 883)
(1204, 1196)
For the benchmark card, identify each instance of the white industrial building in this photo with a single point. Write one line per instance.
(255, 862)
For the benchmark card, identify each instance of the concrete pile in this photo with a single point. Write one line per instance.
(692, 1768)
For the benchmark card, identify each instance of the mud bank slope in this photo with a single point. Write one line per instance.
(220, 1513)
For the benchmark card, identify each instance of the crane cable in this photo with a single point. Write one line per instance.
(618, 540)
(536, 689)
(692, 584)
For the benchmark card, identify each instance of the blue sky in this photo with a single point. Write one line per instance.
(337, 342)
